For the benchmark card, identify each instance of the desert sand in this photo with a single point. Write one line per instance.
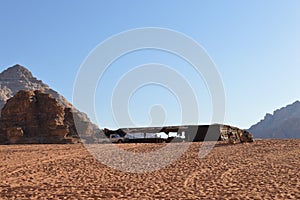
(265, 169)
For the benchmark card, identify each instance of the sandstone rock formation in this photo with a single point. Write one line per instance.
(17, 78)
(36, 117)
(283, 123)
(33, 117)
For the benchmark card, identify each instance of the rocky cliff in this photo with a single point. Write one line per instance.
(283, 123)
(34, 117)
(17, 78)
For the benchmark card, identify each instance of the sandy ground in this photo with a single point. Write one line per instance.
(268, 169)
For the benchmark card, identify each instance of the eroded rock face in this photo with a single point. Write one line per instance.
(35, 117)
(17, 78)
(283, 123)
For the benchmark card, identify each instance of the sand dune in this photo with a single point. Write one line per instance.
(266, 169)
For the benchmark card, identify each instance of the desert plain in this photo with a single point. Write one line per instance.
(265, 169)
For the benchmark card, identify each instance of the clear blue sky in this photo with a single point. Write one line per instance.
(254, 44)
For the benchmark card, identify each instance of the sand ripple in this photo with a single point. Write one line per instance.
(268, 169)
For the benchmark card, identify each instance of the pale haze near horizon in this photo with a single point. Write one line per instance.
(255, 46)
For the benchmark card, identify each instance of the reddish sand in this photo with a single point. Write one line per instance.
(266, 169)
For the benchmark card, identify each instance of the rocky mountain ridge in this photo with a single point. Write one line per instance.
(18, 78)
(283, 123)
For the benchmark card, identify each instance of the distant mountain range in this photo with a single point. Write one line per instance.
(283, 123)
